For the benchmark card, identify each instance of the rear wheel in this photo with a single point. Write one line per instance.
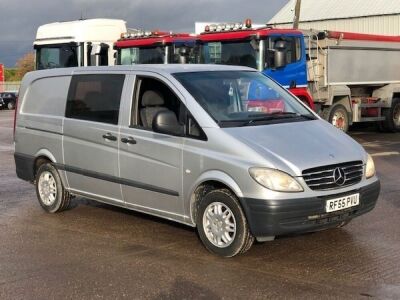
(11, 105)
(339, 117)
(50, 192)
(392, 117)
(222, 225)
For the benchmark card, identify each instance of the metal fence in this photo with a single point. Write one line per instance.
(9, 86)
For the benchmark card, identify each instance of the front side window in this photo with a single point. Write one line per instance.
(292, 49)
(242, 98)
(56, 56)
(95, 97)
(154, 96)
(229, 53)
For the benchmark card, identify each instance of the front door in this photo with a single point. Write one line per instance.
(150, 162)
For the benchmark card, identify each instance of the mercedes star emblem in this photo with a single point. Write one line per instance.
(339, 176)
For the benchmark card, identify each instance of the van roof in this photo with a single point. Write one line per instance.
(157, 68)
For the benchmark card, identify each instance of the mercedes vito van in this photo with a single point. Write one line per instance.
(221, 148)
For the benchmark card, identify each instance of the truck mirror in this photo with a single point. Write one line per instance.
(279, 59)
(280, 54)
(96, 49)
(255, 44)
(184, 53)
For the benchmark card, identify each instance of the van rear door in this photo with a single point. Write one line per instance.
(91, 135)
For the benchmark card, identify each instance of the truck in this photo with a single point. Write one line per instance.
(77, 43)
(155, 47)
(346, 77)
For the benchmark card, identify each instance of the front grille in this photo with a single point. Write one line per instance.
(323, 178)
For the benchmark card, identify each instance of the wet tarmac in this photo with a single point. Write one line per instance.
(95, 251)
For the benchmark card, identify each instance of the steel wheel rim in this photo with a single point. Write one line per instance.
(339, 120)
(47, 188)
(396, 115)
(219, 224)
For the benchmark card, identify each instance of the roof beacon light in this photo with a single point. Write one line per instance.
(221, 27)
(213, 27)
(248, 23)
(238, 26)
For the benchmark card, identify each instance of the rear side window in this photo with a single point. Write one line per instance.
(95, 97)
(46, 96)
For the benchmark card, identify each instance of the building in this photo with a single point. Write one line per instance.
(364, 16)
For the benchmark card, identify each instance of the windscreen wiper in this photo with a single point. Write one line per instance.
(264, 118)
(276, 116)
(293, 114)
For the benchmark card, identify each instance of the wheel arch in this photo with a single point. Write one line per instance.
(43, 156)
(210, 180)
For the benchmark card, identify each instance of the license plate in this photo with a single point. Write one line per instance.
(342, 202)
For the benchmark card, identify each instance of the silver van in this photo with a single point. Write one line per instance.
(221, 148)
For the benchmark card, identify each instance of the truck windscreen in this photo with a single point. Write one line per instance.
(229, 53)
(130, 56)
(56, 56)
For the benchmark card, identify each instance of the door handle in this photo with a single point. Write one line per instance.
(109, 136)
(129, 140)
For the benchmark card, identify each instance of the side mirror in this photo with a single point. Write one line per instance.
(280, 54)
(184, 52)
(166, 122)
(279, 59)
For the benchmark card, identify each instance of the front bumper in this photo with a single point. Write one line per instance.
(268, 218)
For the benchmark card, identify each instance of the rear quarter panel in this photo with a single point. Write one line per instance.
(39, 127)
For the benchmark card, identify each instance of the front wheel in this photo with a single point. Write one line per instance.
(50, 191)
(222, 225)
(339, 117)
(392, 117)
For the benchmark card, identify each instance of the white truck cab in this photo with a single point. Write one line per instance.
(77, 43)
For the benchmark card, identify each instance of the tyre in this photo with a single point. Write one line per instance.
(50, 191)
(222, 225)
(392, 117)
(11, 105)
(339, 117)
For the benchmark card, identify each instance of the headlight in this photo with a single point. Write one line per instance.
(275, 180)
(370, 167)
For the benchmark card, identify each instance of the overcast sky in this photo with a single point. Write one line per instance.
(20, 18)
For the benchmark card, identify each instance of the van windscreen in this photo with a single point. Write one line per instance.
(243, 98)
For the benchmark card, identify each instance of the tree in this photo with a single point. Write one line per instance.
(10, 74)
(25, 64)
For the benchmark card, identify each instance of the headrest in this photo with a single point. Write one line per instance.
(152, 98)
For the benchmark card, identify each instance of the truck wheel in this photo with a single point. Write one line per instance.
(339, 117)
(50, 192)
(392, 117)
(11, 105)
(222, 225)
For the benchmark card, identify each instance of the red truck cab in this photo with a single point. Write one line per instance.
(156, 47)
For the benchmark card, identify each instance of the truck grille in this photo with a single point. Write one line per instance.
(334, 176)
